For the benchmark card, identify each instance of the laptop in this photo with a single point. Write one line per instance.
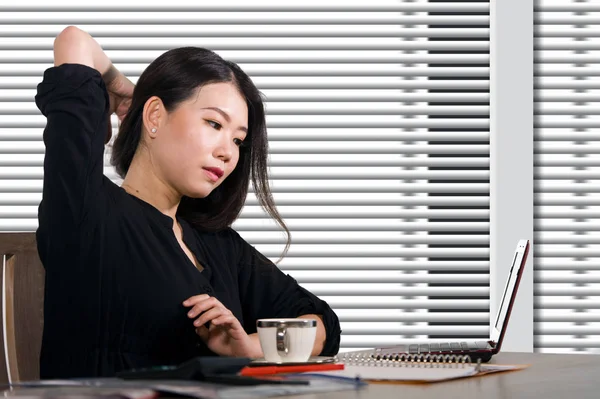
(476, 350)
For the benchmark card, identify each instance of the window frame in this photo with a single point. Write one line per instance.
(511, 160)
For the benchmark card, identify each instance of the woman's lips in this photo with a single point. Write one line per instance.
(213, 174)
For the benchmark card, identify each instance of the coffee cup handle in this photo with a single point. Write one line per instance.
(282, 341)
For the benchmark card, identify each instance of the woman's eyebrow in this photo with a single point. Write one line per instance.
(226, 116)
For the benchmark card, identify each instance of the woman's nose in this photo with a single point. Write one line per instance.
(224, 149)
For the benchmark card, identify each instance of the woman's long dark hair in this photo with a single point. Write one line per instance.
(174, 77)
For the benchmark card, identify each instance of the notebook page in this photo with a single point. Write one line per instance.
(407, 373)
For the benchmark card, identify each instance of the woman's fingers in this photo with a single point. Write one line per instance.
(209, 309)
(195, 299)
(209, 315)
(226, 320)
(231, 324)
(203, 306)
(123, 108)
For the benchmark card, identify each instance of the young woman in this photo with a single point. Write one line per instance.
(150, 273)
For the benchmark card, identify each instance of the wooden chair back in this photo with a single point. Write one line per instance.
(22, 311)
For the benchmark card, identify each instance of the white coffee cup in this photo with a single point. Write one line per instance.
(287, 340)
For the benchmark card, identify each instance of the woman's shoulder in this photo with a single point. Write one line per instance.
(225, 236)
(226, 241)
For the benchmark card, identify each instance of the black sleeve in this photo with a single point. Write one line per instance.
(266, 292)
(75, 102)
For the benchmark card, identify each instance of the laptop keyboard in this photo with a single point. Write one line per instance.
(448, 347)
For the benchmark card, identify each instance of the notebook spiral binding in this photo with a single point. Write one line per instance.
(373, 359)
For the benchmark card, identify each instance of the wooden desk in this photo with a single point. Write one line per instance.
(549, 376)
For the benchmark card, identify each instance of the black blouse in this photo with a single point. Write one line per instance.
(116, 276)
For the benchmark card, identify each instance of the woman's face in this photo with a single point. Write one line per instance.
(196, 146)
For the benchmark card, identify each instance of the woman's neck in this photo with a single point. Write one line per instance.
(143, 182)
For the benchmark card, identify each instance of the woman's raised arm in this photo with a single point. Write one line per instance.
(76, 99)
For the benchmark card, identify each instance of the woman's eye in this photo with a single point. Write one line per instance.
(238, 142)
(215, 125)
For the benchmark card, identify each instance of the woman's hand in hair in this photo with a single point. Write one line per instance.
(220, 330)
(120, 92)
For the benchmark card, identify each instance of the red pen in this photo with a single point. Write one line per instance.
(265, 370)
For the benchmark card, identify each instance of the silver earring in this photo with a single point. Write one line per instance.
(153, 130)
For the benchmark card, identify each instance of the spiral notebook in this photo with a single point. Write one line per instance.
(414, 368)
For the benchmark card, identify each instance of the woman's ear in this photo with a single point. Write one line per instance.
(152, 115)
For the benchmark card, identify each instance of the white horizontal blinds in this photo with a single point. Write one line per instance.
(567, 233)
(476, 147)
(378, 119)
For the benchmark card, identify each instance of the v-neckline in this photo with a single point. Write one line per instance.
(186, 236)
(186, 241)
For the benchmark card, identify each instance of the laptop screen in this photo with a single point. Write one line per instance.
(510, 290)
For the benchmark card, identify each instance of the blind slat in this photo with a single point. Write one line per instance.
(374, 277)
(388, 83)
(384, 290)
(381, 263)
(552, 316)
(569, 110)
(402, 303)
(321, 186)
(299, 160)
(360, 225)
(570, 330)
(544, 173)
(319, 173)
(566, 31)
(569, 161)
(577, 343)
(570, 199)
(572, 19)
(279, 134)
(323, 199)
(561, 303)
(257, 5)
(545, 290)
(284, 70)
(334, 212)
(570, 136)
(280, 58)
(567, 147)
(266, 31)
(416, 330)
(566, 225)
(247, 18)
(567, 238)
(456, 317)
(566, 264)
(330, 108)
(348, 97)
(31, 225)
(320, 147)
(550, 277)
(564, 6)
(252, 43)
(556, 252)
